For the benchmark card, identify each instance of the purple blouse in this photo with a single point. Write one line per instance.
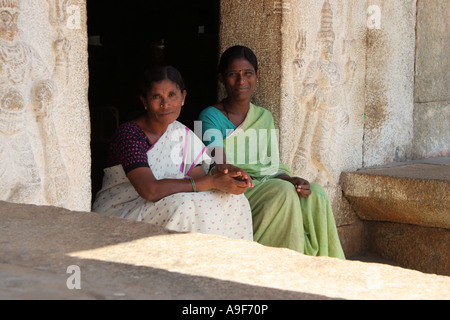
(129, 146)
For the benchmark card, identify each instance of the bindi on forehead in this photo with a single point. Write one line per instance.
(240, 71)
(240, 64)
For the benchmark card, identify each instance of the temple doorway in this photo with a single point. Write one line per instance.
(124, 36)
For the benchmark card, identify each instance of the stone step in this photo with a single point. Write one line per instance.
(406, 212)
(119, 259)
(370, 257)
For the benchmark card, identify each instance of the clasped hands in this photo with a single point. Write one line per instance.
(236, 181)
(231, 179)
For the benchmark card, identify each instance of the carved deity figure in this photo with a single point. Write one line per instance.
(323, 95)
(27, 97)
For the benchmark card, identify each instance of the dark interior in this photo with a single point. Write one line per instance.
(126, 36)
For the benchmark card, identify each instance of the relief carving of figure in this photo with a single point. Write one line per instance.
(324, 96)
(27, 95)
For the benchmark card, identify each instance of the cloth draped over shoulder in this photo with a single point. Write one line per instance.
(252, 146)
(174, 156)
(280, 217)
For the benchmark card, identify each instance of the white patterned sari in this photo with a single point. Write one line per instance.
(174, 156)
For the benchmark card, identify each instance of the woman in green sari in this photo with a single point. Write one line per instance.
(287, 211)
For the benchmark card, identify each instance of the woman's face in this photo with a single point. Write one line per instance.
(240, 79)
(164, 101)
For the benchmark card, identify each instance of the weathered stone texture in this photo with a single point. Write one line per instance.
(411, 194)
(44, 117)
(405, 211)
(432, 86)
(432, 52)
(411, 246)
(431, 130)
(120, 259)
(389, 107)
(352, 238)
(322, 100)
(323, 88)
(256, 24)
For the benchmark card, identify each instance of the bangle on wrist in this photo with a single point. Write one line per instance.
(211, 169)
(193, 184)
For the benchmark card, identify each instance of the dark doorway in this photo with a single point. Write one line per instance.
(124, 37)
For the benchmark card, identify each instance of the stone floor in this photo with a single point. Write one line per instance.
(119, 259)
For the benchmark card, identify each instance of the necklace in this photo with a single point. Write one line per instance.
(225, 109)
(238, 117)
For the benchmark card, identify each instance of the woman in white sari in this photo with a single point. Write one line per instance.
(158, 170)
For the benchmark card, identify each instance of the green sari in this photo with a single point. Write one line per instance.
(280, 217)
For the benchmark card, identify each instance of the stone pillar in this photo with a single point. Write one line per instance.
(44, 116)
(432, 81)
(388, 127)
(257, 25)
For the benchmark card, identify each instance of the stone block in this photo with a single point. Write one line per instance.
(411, 194)
(405, 209)
(352, 239)
(411, 246)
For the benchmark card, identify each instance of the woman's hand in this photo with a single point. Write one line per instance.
(234, 172)
(226, 183)
(301, 185)
(231, 179)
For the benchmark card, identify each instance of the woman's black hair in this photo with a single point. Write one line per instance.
(157, 73)
(237, 52)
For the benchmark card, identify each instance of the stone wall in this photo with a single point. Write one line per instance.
(44, 117)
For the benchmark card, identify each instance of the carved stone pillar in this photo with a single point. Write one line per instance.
(44, 117)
